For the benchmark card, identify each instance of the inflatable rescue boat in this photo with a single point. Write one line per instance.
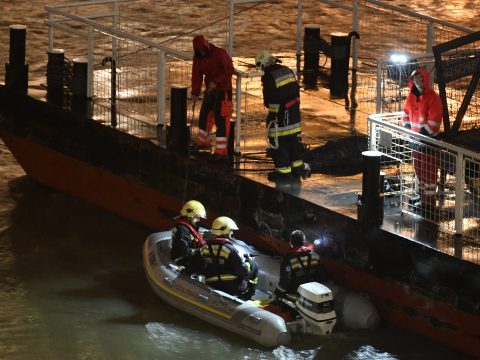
(257, 319)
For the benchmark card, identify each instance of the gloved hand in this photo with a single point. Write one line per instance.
(407, 126)
(243, 286)
(194, 99)
(424, 132)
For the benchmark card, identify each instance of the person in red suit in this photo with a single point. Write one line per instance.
(423, 114)
(213, 67)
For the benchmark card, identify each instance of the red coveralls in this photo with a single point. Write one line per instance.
(216, 107)
(423, 113)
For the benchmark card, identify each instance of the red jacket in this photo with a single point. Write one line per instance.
(216, 67)
(423, 112)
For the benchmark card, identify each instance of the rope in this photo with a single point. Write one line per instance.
(188, 160)
(275, 138)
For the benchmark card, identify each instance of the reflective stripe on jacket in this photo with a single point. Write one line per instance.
(281, 95)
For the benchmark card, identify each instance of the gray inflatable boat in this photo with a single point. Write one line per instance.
(315, 313)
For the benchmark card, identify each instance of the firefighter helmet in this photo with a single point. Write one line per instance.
(264, 59)
(193, 208)
(223, 226)
(297, 238)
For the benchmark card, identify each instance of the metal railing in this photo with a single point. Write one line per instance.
(149, 66)
(456, 172)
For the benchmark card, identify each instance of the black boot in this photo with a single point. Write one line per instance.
(277, 176)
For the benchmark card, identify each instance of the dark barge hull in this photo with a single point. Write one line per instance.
(413, 286)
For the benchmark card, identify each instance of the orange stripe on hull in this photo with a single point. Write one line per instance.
(414, 312)
(105, 189)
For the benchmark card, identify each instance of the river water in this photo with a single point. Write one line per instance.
(72, 284)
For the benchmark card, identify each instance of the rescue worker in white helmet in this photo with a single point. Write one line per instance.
(281, 95)
(185, 235)
(222, 265)
(299, 266)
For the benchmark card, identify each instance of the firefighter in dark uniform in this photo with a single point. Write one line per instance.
(281, 95)
(299, 266)
(185, 235)
(222, 265)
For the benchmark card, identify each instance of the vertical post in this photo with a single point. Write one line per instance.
(339, 66)
(79, 86)
(372, 135)
(378, 99)
(160, 87)
(16, 70)
(178, 134)
(230, 28)
(353, 93)
(50, 31)
(370, 203)
(430, 37)
(311, 56)
(55, 76)
(299, 35)
(459, 186)
(238, 121)
(55, 69)
(90, 63)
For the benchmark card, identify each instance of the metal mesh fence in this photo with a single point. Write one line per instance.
(409, 159)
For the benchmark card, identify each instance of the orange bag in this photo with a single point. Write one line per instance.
(226, 109)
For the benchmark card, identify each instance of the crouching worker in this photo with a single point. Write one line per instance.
(185, 235)
(299, 266)
(222, 265)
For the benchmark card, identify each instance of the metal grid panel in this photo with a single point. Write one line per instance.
(456, 194)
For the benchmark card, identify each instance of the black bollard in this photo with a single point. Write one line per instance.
(55, 76)
(56, 69)
(78, 86)
(16, 70)
(370, 202)
(339, 66)
(311, 56)
(178, 132)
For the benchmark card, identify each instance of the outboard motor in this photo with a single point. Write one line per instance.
(315, 305)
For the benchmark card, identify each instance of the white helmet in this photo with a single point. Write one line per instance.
(264, 59)
(193, 208)
(223, 225)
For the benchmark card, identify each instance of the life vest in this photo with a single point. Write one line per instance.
(281, 96)
(215, 255)
(197, 238)
(303, 263)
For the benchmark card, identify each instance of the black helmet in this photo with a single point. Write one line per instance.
(297, 238)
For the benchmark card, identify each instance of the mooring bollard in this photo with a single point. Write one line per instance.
(339, 66)
(79, 77)
(311, 56)
(80, 103)
(55, 69)
(178, 132)
(16, 70)
(55, 76)
(370, 202)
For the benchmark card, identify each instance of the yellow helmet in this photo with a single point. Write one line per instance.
(223, 225)
(193, 208)
(264, 59)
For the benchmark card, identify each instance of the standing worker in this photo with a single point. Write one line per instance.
(281, 95)
(423, 114)
(212, 65)
(185, 235)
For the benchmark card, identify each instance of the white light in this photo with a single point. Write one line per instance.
(398, 58)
